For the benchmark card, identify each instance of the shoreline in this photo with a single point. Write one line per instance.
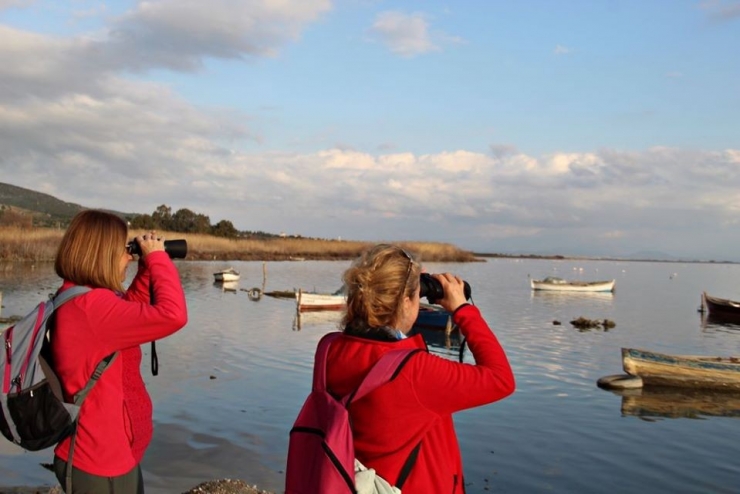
(218, 486)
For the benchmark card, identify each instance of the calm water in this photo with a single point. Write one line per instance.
(232, 381)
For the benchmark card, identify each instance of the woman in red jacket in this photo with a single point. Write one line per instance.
(404, 429)
(115, 421)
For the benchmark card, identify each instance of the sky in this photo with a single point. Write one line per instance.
(573, 127)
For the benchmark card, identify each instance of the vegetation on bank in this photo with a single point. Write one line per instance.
(40, 244)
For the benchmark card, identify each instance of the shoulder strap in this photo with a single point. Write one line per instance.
(383, 371)
(68, 295)
(319, 365)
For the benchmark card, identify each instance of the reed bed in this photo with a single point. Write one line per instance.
(40, 244)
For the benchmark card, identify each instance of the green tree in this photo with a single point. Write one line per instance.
(143, 222)
(162, 218)
(185, 220)
(224, 228)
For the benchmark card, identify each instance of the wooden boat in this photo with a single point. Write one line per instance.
(561, 285)
(657, 369)
(721, 307)
(230, 274)
(306, 301)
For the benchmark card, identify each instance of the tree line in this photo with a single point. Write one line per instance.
(186, 221)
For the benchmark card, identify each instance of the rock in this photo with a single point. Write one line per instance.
(226, 486)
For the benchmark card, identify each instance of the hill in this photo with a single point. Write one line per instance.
(46, 210)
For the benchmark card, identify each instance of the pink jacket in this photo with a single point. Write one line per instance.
(115, 422)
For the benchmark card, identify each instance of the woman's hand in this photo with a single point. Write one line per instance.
(454, 289)
(150, 242)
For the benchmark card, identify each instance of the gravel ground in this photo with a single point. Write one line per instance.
(221, 486)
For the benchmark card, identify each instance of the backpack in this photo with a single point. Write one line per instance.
(321, 452)
(33, 413)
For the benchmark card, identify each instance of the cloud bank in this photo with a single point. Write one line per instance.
(74, 124)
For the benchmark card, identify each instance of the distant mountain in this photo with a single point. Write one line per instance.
(45, 209)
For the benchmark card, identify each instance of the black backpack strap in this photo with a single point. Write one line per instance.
(79, 398)
(407, 466)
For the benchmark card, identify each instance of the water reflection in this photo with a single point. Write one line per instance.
(561, 298)
(227, 286)
(657, 402)
(315, 318)
(719, 322)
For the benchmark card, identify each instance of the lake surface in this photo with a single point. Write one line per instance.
(233, 380)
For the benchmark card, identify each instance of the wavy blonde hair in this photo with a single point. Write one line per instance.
(376, 284)
(91, 249)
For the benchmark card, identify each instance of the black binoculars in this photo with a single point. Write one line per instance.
(176, 249)
(432, 289)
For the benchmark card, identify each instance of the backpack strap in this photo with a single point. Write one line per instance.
(319, 366)
(68, 295)
(78, 399)
(80, 396)
(384, 370)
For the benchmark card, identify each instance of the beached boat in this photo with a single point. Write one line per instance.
(306, 301)
(561, 285)
(230, 274)
(690, 371)
(721, 307)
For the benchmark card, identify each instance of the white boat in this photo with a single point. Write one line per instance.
(230, 274)
(306, 301)
(561, 285)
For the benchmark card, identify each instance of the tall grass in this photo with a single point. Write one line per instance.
(40, 244)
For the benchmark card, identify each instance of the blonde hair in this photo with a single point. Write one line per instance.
(376, 284)
(91, 249)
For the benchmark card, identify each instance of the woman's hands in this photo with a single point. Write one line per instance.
(454, 289)
(150, 242)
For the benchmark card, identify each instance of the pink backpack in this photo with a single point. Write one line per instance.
(321, 452)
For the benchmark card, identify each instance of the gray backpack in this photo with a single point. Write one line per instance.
(33, 413)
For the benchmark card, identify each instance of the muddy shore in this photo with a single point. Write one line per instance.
(220, 486)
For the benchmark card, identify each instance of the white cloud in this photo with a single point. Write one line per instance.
(407, 35)
(561, 50)
(721, 10)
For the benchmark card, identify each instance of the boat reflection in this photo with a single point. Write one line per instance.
(719, 321)
(558, 298)
(658, 402)
(227, 286)
(316, 318)
(439, 341)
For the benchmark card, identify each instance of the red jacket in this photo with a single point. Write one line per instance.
(115, 422)
(417, 405)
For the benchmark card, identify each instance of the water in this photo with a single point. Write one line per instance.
(232, 381)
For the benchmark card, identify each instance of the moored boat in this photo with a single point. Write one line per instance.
(307, 301)
(721, 307)
(229, 274)
(433, 317)
(561, 285)
(690, 371)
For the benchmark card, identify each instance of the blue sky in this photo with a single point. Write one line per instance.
(572, 127)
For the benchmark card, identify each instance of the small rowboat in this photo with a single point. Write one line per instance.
(230, 274)
(689, 371)
(308, 301)
(721, 307)
(561, 285)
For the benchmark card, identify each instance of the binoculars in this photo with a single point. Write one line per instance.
(432, 289)
(176, 249)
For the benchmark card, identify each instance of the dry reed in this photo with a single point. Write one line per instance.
(40, 244)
